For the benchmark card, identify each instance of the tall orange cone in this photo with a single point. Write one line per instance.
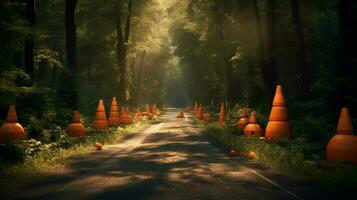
(195, 108)
(243, 121)
(222, 115)
(100, 121)
(199, 114)
(11, 129)
(279, 124)
(253, 129)
(76, 128)
(127, 110)
(113, 119)
(343, 145)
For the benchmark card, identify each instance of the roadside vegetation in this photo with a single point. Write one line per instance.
(300, 157)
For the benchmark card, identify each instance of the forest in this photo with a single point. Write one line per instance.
(60, 56)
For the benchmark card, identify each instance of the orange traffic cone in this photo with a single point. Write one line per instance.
(199, 114)
(343, 145)
(123, 117)
(100, 121)
(113, 119)
(207, 117)
(154, 109)
(11, 129)
(253, 129)
(222, 115)
(138, 113)
(76, 128)
(279, 124)
(181, 115)
(195, 109)
(243, 121)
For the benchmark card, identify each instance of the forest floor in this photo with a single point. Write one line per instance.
(168, 160)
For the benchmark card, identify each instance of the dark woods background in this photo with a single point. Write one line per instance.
(57, 55)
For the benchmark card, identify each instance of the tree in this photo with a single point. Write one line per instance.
(71, 47)
(122, 47)
(303, 64)
(71, 36)
(29, 43)
(270, 65)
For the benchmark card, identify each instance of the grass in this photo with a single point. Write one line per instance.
(52, 161)
(292, 157)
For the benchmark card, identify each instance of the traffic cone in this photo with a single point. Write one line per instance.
(243, 121)
(253, 129)
(181, 115)
(207, 117)
(343, 145)
(76, 128)
(154, 109)
(11, 129)
(113, 119)
(100, 122)
(138, 113)
(123, 116)
(222, 115)
(195, 109)
(279, 124)
(199, 115)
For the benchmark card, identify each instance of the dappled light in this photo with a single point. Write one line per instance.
(178, 99)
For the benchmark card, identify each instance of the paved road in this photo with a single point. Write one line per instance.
(168, 160)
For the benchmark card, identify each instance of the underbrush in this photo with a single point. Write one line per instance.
(31, 159)
(297, 157)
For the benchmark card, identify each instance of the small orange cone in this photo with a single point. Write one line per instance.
(343, 145)
(195, 109)
(138, 113)
(279, 124)
(222, 115)
(207, 117)
(113, 119)
(100, 122)
(199, 114)
(11, 129)
(76, 128)
(181, 115)
(243, 121)
(253, 129)
(98, 146)
(154, 109)
(147, 108)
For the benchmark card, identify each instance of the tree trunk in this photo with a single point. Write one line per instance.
(71, 46)
(29, 44)
(71, 37)
(140, 71)
(122, 41)
(304, 67)
(270, 65)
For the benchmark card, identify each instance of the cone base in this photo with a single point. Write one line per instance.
(342, 148)
(76, 130)
(114, 121)
(278, 129)
(100, 124)
(253, 130)
(10, 131)
(242, 123)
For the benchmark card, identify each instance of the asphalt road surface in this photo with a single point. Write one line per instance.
(168, 160)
